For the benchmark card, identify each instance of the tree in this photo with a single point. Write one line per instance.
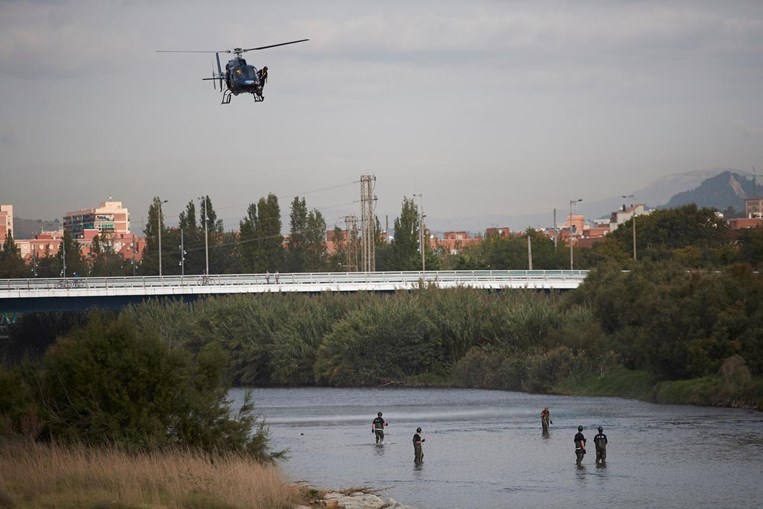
(306, 250)
(295, 249)
(69, 260)
(270, 240)
(405, 253)
(663, 231)
(11, 263)
(155, 222)
(247, 240)
(106, 384)
(316, 258)
(187, 218)
(104, 260)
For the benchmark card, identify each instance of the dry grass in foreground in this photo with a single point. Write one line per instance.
(39, 476)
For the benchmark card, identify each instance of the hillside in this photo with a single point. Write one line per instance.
(27, 228)
(727, 189)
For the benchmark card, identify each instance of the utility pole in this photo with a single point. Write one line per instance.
(206, 238)
(132, 248)
(529, 252)
(421, 232)
(351, 224)
(182, 255)
(572, 238)
(367, 203)
(159, 229)
(556, 231)
(63, 254)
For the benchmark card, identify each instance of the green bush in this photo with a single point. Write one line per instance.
(107, 385)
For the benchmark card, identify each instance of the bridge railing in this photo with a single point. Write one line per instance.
(464, 278)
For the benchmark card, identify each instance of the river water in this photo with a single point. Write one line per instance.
(484, 449)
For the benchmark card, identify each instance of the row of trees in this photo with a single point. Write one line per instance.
(690, 236)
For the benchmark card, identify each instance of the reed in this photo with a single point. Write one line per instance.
(42, 476)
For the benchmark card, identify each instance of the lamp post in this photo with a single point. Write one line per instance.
(572, 262)
(634, 224)
(182, 255)
(159, 230)
(206, 236)
(421, 232)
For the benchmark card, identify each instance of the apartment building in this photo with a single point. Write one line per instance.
(6, 221)
(110, 217)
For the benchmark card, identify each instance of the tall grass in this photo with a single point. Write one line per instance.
(41, 476)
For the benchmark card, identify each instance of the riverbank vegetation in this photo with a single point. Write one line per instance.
(43, 476)
(657, 332)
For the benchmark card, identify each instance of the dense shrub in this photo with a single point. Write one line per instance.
(107, 385)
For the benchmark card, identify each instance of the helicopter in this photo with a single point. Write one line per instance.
(239, 77)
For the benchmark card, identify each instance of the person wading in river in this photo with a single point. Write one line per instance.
(418, 453)
(545, 419)
(579, 446)
(600, 440)
(377, 428)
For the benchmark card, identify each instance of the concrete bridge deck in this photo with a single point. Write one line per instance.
(38, 294)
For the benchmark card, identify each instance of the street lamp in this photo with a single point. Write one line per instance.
(572, 202)
(159, 229)
(421, 231)
(206, 236)
(634, 224)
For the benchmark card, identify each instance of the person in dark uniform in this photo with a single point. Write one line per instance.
(579, 446)
(262, 74)
(545, 419)
(600, 441)
(418, 453)
(377, 428)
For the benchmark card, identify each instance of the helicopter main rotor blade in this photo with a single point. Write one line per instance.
(191, 51)
(273, 45)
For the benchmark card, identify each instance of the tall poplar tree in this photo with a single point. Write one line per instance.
(405, 253)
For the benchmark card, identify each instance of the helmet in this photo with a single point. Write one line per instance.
(379, 414)
(601, 429)
(265, 68)
(418, 430)
(580, 428)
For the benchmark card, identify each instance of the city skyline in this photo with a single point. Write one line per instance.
(487, 109)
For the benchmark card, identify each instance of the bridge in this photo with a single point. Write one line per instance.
(70, 294)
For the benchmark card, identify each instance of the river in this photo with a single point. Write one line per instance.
(484, 449)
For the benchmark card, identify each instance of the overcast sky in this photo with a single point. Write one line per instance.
(485, 107)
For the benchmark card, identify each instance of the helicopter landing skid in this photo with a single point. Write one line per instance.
(226, 97)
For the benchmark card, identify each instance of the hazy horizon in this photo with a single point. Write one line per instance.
(491, 108)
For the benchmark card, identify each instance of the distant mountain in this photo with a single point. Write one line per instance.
(27, 228)
(727, 189)
(691, 187)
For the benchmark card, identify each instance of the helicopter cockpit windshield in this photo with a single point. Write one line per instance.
(245, 72)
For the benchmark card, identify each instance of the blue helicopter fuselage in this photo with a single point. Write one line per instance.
(241, 77)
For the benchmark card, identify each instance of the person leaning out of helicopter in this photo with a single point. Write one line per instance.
(262, 74)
